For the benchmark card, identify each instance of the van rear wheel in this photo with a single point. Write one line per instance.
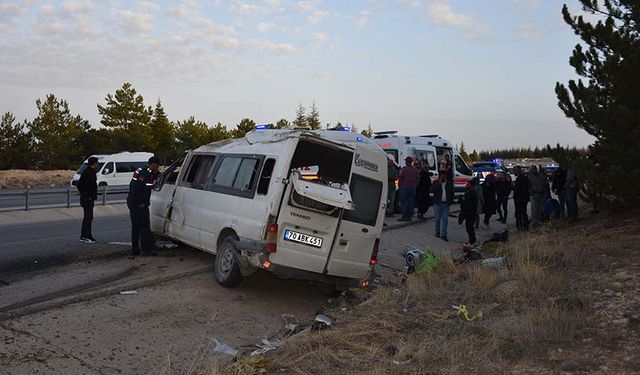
(227, 270)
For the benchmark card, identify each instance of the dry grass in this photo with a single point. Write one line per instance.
(20, 179)
(526, 307)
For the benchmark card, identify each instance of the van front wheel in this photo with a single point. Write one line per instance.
(227, 270)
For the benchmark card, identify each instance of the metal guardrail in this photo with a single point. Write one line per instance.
(29, 194)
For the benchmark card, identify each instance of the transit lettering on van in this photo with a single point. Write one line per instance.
(299, 203)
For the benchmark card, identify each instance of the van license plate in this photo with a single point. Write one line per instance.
(306, 239)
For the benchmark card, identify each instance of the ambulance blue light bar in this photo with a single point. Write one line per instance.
(263, 126)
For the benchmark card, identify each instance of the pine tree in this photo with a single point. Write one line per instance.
(300, 120)
(218, 133)
(464, 154)
(56, 134)
(606, 104)
(246, 125)
(283, 124)
(191, 134)
(15, 144)
(127, 116)
(162, 135)
(313, 120)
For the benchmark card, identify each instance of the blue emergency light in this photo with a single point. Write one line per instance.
(263, 126)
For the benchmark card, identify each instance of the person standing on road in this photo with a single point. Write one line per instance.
(392, 176)
(447, 166)
(442, 198)
(138, 202)
(88, 189)
(572, 188)
(503, 189)
(423, 190)
(521, 199)
(480, 200)
(489, 193)
(539, 189)
(409, 176)
(468, 210)
(558, 187)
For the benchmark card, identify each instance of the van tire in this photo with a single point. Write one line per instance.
(102, 184)
(227, 270)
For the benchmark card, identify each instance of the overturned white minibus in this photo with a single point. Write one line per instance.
(302, 204)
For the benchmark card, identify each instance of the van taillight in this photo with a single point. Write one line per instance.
(374, 254)
(272, 238)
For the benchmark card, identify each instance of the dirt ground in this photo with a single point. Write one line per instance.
(21, 179)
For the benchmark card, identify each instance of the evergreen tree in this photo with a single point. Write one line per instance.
(219, 132)
(191, 134)
(15, 144)
(283, 124)
(162, 135)
(464, 154)
(56, 135)
(313, 120)
(126, 114)
(606, 104)
(246, 125)
(475, 156)
(300, 120)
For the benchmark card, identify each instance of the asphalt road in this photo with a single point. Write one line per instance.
(40, 198)
(36, 245)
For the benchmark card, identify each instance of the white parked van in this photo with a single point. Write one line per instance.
(429, 149)
(115, 169)
(248, 201)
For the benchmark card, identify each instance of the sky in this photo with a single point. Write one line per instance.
(480, 72)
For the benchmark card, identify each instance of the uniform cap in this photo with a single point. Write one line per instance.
(154, 160)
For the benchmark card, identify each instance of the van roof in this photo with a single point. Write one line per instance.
(124, 156)
(270, 139)
(426, 139)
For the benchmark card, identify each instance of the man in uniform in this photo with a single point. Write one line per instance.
(88, 189)
(138, 202)
(521, 199)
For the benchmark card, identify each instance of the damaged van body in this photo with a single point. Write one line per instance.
(302, 204)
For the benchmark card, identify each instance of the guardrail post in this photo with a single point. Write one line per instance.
(104, 195)
(69, 198)
(26, 200)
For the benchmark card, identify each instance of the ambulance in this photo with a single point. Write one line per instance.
(430, 149)
(299, 203)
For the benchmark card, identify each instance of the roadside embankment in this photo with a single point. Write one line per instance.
(567, 301)
(21, 179)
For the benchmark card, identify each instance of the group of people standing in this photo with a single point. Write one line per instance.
(138, 201)
(486, 198)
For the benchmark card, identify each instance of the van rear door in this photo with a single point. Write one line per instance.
(427, 156)
(359, 230)
(312, 204)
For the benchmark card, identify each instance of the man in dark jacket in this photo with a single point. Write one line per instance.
(468, 210)
(442, 198)
(521, 199)
(138, 202)
(503, 189)
(489, 194)
(88, 189)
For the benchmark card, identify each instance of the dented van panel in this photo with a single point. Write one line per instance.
(310, 203)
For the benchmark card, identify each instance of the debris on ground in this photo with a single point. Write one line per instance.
(165, 245)
(223, 348)
(321, 322)
(128, 292)
(267, 346)
(494, 263)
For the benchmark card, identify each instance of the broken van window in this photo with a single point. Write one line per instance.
(265, 178)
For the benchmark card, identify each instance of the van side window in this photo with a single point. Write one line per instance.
(199, 169)
(461, 166)
(246, 174)
(265, 177)
(108, 169)
(123, 167)
(227, 171)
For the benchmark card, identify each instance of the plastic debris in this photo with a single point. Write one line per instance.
(267, 346)
(462, 311)
(290, 323)
(401, 363)
(429, 262)
(165, 245)
(498, 262)
(128, 292)
(223, 348)
(321, 322)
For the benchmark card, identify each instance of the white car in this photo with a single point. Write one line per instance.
(115, 169)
